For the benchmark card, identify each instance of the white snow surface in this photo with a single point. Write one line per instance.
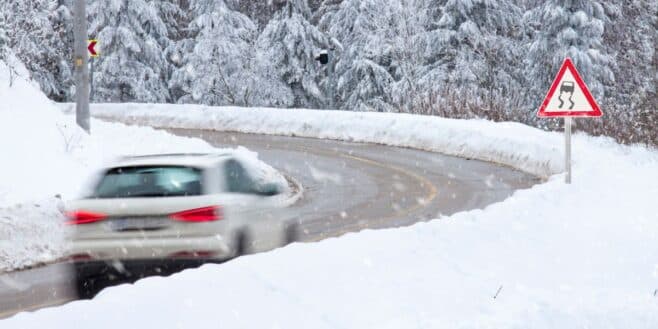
(46, 158)
(553, 256)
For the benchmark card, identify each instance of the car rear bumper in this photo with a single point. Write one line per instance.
(136, 267)
(207, 247)
(91, 276)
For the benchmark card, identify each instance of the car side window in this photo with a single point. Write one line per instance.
(237, 178)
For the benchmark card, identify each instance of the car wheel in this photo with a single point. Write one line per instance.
(291, 233)
(87, 283)
(242, 243)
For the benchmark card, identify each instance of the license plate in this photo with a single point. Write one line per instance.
(132, 224)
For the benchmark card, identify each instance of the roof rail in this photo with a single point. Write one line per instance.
(209, 154)
(162, 155)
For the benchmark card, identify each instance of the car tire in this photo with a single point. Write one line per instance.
(242, 243)
(291, 233)
(84, 287)
(87, 283)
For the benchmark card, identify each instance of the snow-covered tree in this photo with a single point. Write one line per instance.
(40, 40)
(214, 58)
(457, 58)
(363, 28)
(326, 10)
(290, 43)
(470, 49)
(175, 15)
(631, 103)
(405, 37)
(567, 28)
(132, 65)
(365, 86)
(4, 38)
(220, 65)
(260, 12)
(61, 20)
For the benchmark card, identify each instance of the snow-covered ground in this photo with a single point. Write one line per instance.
(554, 256)
(46, 158)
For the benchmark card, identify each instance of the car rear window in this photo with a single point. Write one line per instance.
(149, 181)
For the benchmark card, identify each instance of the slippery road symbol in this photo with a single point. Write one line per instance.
(568, 96)
(566, 87)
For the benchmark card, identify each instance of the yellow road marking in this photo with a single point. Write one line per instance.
(432, 192)
(424, 181)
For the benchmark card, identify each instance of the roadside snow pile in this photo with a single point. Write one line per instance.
(513, 144)
(553, 256)
(36, 141)
(37, 160)
(47, 158)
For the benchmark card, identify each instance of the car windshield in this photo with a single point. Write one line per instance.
(149, 181)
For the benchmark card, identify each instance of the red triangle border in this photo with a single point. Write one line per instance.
(568, 65)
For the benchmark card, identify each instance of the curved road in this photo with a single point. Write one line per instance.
(347, 187)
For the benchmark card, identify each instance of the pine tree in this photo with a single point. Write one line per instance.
(213, 57)
(132, 65)
(4, 37)
(61, 20)
(560, 29)
(365, 86)
(290, 43)
(176, 15)
(470, 52)
(219, 63)
(405, 40)
(260, 12)
(630, 104)
(364, 82)
(38, 39)
(326, 10)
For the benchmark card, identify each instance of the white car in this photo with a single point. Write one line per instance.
(188, 206)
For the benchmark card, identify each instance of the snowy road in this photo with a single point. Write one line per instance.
(347, 187)
(354, 186)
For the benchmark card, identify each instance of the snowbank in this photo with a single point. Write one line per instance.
(512, 144)
(37, 145)
(554, 256)
(36, 141)
(46, 157)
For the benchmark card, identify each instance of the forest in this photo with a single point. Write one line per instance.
(491, 59)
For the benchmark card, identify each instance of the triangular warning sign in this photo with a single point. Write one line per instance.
(569, 96)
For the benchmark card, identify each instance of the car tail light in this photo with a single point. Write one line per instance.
(205, 214)
(84, 217)
(80, 257)
(193, 254)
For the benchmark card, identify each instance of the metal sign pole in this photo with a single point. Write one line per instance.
(567, 148)
(332, 72)
(91, 80)
(81, 69)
